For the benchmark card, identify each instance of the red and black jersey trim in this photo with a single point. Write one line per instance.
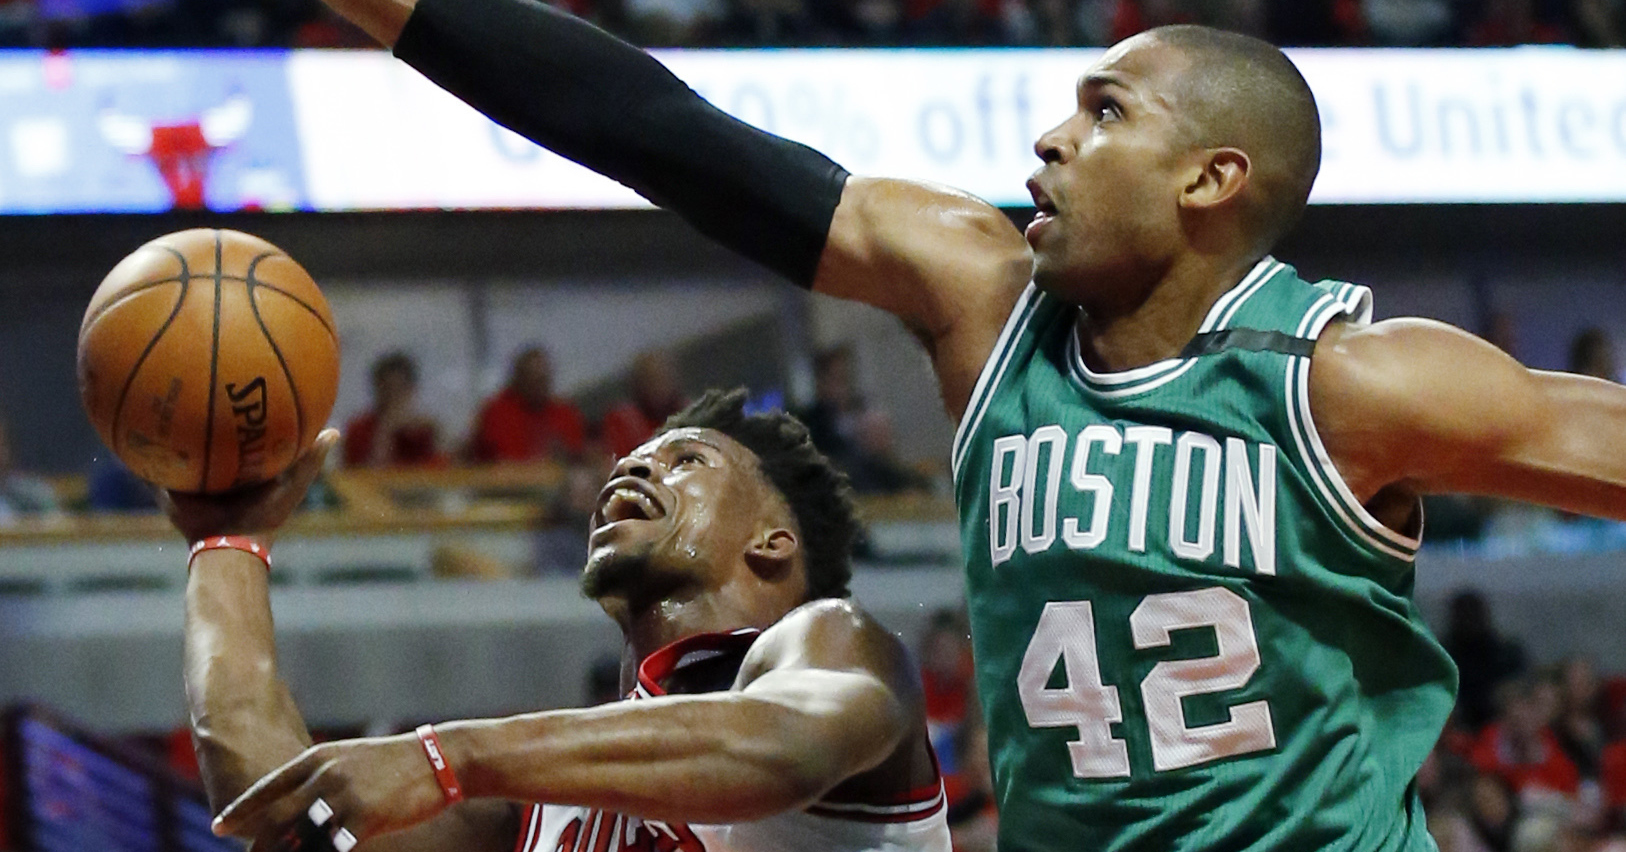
(529, 828)
(919, 804)
(659, 666)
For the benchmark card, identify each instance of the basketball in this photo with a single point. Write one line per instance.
(208, 360)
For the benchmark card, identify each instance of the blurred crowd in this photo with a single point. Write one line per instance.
(1534, 757)
(526, 422)
(856, 23)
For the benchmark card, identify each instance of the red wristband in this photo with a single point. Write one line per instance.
(230, 542)
(437, 761)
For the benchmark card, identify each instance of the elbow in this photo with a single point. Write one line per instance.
(784, 782)
(791, 768)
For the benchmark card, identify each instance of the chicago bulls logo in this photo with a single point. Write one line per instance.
(602, 832)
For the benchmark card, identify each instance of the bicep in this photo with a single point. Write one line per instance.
(852, 719)
(1571, 456)
(848, 682)
(946, 263)
(1433, 408)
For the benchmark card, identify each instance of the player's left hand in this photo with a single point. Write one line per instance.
(257, 510)
(374, 786)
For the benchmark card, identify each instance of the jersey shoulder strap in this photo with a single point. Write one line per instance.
(1033, 311)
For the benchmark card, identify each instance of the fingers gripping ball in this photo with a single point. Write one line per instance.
(208, 360)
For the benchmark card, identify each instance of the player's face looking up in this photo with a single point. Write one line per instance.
(1112, 171)
(1187, 143)
(680, 515)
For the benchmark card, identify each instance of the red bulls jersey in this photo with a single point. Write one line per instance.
(915, 822)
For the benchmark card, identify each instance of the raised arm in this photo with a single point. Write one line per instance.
(951, 266)
(825, 697)
(1426, 408)
(244, 720)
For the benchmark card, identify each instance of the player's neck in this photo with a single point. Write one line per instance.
(675, 617)
(1160, 326)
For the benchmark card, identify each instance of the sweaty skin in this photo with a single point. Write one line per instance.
(1144, 227)
(826, 701)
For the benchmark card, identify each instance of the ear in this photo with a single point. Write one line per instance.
(1223, 175)
(772, 552)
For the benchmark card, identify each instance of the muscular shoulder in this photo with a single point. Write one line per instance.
(948, 264)
(1396, 398)
(832, 634)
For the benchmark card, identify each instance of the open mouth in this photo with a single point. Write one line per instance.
(1041, 201)
(627, 499)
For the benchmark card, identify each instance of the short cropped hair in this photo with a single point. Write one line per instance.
(1243, 92)
(819, 495)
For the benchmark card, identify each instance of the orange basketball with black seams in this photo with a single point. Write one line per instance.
(208, 360)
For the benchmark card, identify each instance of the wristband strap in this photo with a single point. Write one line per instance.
(230, 542)
(437, 761)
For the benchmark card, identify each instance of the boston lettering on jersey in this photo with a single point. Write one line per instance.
(1223, 490)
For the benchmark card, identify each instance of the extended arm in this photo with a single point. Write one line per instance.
(1428, 408)
(244, 720)
(821, 700)
(951, 266)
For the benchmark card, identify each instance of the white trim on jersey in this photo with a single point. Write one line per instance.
(1139, 380)
(532, 827)
(992, 371)
(901, 811)
(1356, 302)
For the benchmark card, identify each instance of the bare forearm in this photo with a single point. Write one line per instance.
(1574, 461)
(244, 721)
(724, 758)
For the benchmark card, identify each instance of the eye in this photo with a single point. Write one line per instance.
(1107, 108)
(688, 457)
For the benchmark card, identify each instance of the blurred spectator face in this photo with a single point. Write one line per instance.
(944, 650)
(875, 433)
(833, 377)
(1592, 353)
(1580, 684)
(532, 378)
(655, 382)
(1491, 802)
(1529, 707)
(395, 382)
(1545, 695)
(944, 647)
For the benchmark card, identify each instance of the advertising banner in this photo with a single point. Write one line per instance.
(357, 130)
(118, 131)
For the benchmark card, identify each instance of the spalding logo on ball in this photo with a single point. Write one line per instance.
(208, 360)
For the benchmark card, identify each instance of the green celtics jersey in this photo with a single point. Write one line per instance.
(1189, 633)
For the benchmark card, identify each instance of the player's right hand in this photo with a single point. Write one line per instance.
(257, 510)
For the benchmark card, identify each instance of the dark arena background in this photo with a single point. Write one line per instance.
(1475, 172)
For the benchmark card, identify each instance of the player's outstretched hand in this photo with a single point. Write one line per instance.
(258, 510)
(369, 787)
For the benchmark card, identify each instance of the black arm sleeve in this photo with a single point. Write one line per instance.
(601, 102)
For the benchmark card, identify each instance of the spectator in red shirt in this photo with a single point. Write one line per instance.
(656, 395)
(1519, 747)
(393, 433)
(525, 422)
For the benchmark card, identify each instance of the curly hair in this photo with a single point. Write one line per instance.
(818, 494)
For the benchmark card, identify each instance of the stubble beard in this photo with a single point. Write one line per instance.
(634, 575)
